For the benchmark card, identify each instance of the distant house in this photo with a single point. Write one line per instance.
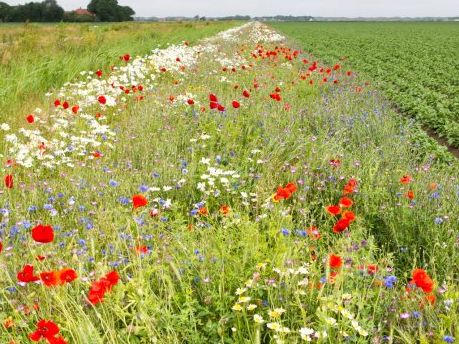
(79, 15)
(83, 12)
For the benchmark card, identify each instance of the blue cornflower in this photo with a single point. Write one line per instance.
(389, 281)
(285, 231)
(47, 206)
(448, 339)
(14, 231)
(32, 208)
(301, 232)
(124, 200)
(438, 220)
(113, 183)
(435, 195)
(143, 188)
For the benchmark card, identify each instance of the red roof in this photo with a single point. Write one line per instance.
(83, 12)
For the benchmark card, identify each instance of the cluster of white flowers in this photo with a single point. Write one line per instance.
(216, 180)
(74, 129)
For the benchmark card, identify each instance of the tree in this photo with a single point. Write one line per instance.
(5, 10)
(125, 13)
(46, 11)
(51, 11)
(109, 10)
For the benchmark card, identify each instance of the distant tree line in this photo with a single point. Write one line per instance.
(50, 11)
(235, 17)
(46, 11)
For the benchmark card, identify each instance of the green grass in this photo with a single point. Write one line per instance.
(414, 64)
(184, 289)
(37, 58)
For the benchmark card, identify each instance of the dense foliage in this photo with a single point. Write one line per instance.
(46, 11)
(50, 11)
(110, 11)
(415, 64)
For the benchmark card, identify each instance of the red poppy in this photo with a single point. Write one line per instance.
(335, 261)
(102, 100)
(43, 233)
(126, 57)
(213, 105)
(142, 249)
(349, 215)
(430, 298)
(410, 194)
(350, 186)
(57, 102)
(276, 96)
(99, 73)
(333, 210)
(139, 201)
(224, 209)
(65, 105)
(345, 202)
(30, 119)
(335, 162)
(1, 247)
(75, 109)
(102, 286)
(285, 192)
(10, 162)
(422, 280)
(341, 225)
(67, 275)
(236, 104)
(50, 279)
(291, 187)
(203, 211)
(46, 329)
(372, 269)
(26, 275)
(213, 98)
(97, 154)
(406, 179)
(190, 101)
(8, 180)
(246, 94)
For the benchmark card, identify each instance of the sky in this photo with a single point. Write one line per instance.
(317, 8)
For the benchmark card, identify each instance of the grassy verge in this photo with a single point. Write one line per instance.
(37, 58)
(220, 254)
